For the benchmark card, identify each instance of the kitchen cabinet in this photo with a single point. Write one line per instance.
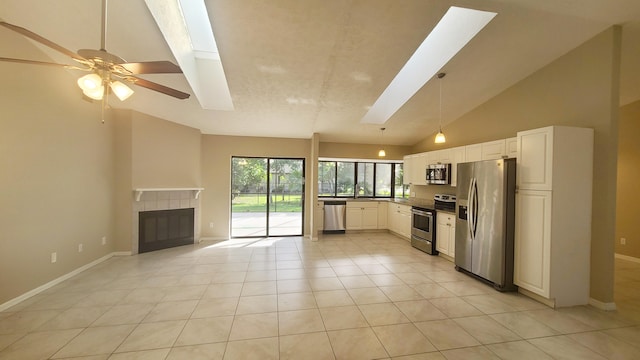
(490, 150)
(511, 145)
(473, 153)
(362, 215)
(439, 157)
(493, 150)
(446, 233)
(553, 214)
(399, 219)
(533, 234)
(415, 167)
(457, 155)
(382, 214)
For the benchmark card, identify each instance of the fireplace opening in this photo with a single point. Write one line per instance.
(162, 229)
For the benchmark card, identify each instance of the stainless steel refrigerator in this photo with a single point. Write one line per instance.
(485, 220)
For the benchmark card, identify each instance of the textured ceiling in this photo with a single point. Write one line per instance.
(298, 67)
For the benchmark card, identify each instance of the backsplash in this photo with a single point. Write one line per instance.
(427, 191)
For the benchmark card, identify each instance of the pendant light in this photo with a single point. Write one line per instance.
(440, 139)
(381, 153)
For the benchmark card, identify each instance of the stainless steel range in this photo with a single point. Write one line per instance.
(423, 229)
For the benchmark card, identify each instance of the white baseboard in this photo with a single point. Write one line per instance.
(213, 238)
(57, 281)
(627, 257)
(610, 306)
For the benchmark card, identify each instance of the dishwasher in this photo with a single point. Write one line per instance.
(334, 217)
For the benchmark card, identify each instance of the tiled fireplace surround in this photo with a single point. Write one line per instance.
(163, 200)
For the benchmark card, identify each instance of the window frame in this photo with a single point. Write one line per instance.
(355, 163)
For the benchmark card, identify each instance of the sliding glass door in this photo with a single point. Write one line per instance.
(267, 197)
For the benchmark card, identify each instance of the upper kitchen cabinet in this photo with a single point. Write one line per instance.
(554, 156)
(493, 150)
(457, 155)
(439, 157)
(473, 153)
(415, 167)
(511, 144)
(490, 150)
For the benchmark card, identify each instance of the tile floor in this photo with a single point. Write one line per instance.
(363, 296)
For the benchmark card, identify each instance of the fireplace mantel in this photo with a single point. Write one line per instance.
(140, 191)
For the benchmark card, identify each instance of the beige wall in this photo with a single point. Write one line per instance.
(362, 151)
(216, 174)
(628, 175)
(164, 154)
(56, 177)
(123, 172)
(578, 89)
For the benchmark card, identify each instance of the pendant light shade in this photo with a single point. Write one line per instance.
(440, 139)
(382, 153)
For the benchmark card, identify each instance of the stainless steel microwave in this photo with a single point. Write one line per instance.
(439, 174)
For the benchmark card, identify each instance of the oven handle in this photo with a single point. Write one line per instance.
(423, 213)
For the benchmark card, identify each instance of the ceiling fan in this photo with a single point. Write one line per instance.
(105, 69)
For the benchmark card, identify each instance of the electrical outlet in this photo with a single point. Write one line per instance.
(623, 241)
(104, 240)
(413, 194)
(54, 257)
(80, 247)
(211, 224)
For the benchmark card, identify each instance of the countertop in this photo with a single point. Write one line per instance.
(423, 203)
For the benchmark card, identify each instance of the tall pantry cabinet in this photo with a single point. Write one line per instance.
(553, 214)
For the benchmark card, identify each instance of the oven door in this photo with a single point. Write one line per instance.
(422, 224)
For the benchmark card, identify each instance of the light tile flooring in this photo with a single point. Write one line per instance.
(364, 296)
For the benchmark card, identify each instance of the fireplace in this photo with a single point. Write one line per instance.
(162, 229)
(156, 199)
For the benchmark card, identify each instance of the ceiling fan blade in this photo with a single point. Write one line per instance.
(152, 67)
(33, 36)
(33, 62)
(157, 87)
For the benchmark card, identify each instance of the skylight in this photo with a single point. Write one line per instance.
(456, 28)
(186, 28)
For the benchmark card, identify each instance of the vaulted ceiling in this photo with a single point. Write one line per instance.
(298, 67)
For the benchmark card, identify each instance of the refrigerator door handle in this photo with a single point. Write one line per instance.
(475, 207)
(471, 218)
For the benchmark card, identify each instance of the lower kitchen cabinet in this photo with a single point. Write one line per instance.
(533, 241)
(399, 219)
(446, 233)
(362, 215)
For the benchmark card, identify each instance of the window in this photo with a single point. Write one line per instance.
(383, 180)
(345, 178)
(326, 178)
(369, 179)
(400, 190)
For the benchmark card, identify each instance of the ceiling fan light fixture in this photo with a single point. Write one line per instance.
(95, 94)
(121, 90)
(90, 82)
